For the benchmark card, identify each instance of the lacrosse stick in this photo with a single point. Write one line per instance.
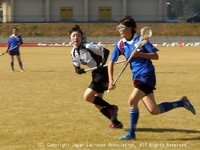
(91, 69)
(145, 33)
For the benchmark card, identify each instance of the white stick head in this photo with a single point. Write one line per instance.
(146, 33)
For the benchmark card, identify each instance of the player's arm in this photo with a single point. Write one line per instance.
(110, 75)
(20, 42)
(145, 55)
(114, 57)
(151, 52)
(77, 64)
(8, 47)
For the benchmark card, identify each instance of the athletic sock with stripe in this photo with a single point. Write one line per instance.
(134, 116)
(167, 106)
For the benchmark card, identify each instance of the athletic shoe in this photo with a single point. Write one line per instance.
(188, 105)
(127, 136)
(12, 70)
(114, 114)
(21, 70)
(116, 125)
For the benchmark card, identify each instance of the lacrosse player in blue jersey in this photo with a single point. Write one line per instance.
(93, 55)
(14, 42)
(144, 78)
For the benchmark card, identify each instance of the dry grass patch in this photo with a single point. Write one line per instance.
(97, 29)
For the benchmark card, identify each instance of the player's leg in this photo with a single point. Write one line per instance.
(92, 96)
(111, 114)
(155, 109)
(150, 103)
(94, 88)
(108, 110)
(99, 84)
(133, 101)
(103, 110)
(20, 62)
(12, 62)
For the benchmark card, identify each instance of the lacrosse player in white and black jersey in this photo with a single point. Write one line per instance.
(93, 55)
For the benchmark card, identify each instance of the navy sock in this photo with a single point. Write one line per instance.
(100, 102)
(20, 64)
(134, 116)
(12, 65)
(167, 106)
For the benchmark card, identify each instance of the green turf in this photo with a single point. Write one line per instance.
(44, 107)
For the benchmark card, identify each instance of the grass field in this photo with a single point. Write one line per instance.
(43, 108)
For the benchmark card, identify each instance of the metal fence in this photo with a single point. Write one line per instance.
(154, 39)
(64, 41)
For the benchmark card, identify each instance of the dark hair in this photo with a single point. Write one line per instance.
(15, 28)
(128, 21)
(76, 28)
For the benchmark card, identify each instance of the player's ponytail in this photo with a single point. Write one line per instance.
(76, 28)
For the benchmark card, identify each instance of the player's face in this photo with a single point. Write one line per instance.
(76, 38)
(14, 31)
(123, 31)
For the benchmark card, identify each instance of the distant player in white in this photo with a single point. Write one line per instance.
(93, 55)
(14, 41)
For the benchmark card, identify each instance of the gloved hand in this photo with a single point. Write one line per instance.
(81, 71)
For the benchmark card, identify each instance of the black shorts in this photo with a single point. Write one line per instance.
(99, 80)
(143, 87)
(12, 53)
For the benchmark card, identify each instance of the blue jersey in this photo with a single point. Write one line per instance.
(14, 41)
(139, 66)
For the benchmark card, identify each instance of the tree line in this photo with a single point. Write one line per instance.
(182, 9)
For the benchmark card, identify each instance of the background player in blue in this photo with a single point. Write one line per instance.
(144, 78)
(14, 42)
(93, 55)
